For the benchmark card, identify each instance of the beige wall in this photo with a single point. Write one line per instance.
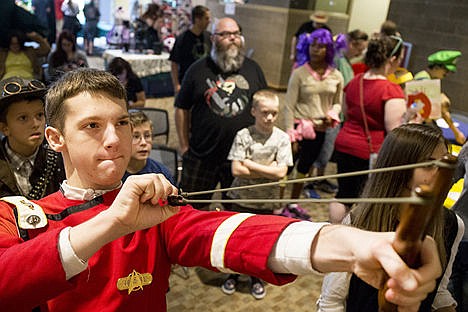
(198, 2)
(265, 30)
(368, 15)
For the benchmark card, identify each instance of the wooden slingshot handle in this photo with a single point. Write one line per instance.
(414, 220)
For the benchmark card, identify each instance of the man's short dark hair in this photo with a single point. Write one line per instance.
(435, 66)
(389, 28)
(71, 84)
(199, 12)
(357, 34)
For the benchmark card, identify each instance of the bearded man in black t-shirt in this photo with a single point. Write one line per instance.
(214, 103)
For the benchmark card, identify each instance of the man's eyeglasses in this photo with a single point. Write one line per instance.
(227, 34)
(148, 137)
(15, 87)
(397, 46)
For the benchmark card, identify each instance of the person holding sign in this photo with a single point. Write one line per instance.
(440, 64)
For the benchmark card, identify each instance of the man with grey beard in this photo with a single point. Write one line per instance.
(214, 103)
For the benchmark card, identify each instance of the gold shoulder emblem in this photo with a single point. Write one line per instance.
(30, 215)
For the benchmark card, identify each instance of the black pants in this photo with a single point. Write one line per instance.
(309, 151)
(202, 174)
(350, 187)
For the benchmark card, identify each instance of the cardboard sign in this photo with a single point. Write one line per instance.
(420, 103)
(431, 88)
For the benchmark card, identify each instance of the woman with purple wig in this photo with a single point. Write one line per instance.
(314, 98)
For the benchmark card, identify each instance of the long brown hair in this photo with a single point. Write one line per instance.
(407, 144)
(59, 56)
(118, 65)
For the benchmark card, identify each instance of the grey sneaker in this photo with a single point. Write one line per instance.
(257, 289)
(229, 285)
(326, 186)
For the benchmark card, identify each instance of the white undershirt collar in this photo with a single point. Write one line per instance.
(76, 193)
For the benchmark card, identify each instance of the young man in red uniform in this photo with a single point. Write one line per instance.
(98, 245)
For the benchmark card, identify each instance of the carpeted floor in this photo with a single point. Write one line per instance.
(201, 292)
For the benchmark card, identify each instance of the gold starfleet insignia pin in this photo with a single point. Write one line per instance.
(134, 281)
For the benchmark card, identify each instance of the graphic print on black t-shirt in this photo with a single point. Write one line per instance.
(200, 49)
(227, 97)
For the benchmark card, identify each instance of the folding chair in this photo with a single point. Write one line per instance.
(160, 119)
(168, 157)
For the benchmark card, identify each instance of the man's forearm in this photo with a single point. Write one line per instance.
(88, 237)
(293, 48)
(327, 255)
(175, 76)
(182, 127)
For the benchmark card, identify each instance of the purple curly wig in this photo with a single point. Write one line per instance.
(322, 36)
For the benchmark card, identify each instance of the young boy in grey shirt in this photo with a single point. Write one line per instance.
(260, 153)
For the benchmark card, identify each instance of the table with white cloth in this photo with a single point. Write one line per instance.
(154, 70)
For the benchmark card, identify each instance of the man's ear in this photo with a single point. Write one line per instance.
(55, 139)
(4, 128)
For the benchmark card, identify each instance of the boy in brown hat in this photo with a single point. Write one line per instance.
(27, 166)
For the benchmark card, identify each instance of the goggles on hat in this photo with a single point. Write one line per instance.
(14, 87)
(397, 46)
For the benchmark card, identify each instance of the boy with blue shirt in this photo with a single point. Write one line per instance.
(142, 139)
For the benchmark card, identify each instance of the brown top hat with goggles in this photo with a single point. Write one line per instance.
(15, 89)
(319, 17)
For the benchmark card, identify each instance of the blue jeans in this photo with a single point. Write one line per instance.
(327, 147)
(458, 284)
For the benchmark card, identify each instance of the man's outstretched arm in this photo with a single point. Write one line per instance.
(370, 255)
